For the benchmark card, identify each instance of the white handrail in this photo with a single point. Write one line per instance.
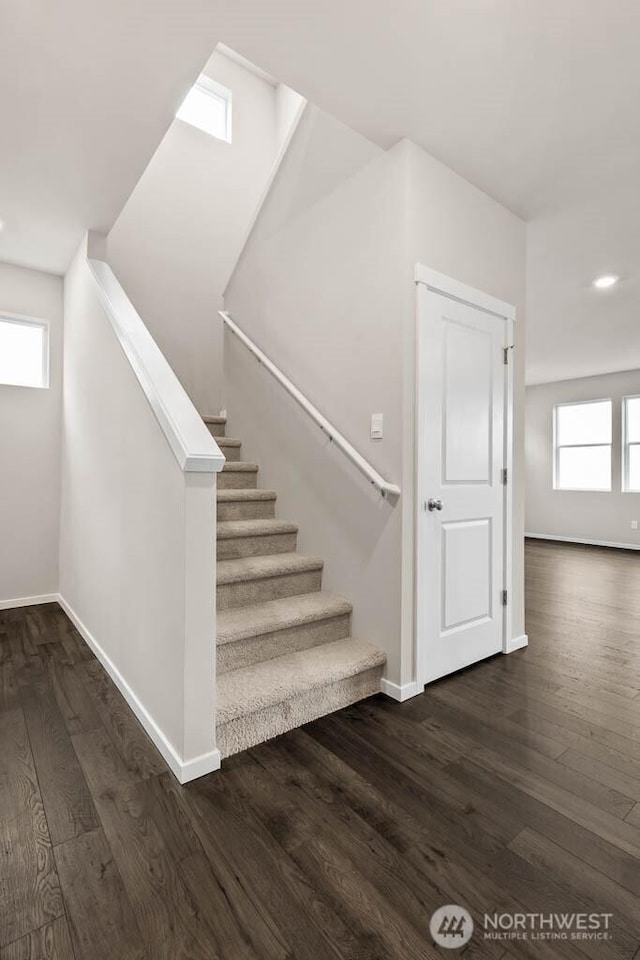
(386, 489)
(193, 446)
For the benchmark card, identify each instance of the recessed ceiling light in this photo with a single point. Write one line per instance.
(608, 280)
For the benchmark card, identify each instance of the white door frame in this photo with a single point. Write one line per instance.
(455, 290)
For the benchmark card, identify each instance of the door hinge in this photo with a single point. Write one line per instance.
(505, 476)
(505, 354)
(505, 598)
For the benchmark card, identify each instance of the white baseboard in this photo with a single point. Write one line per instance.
(28, 601)
(400, 693)
(183, 770)
(588, 543)
(517, 643)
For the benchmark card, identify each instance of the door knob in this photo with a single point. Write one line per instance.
(434, 504)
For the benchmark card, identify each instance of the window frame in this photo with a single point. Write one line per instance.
(218, 91)
(626, 444)
(565, 446)
(45, 326)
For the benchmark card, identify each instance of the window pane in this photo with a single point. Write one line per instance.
(578, 423)
(634, 468)
(206, 111)
(633, 419)
(584, 468)
(21, 354)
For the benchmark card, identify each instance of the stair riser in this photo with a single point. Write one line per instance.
(216, 429)
(238, 547)
(247, 510)
(252, 650)
(232, 454)
(237, 480)
(264, 724)
(270, 588)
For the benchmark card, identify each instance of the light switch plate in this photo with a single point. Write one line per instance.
(377, 426)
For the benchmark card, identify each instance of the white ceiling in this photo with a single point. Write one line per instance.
(87, 90)
(536, 102)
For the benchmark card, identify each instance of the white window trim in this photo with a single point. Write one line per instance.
(565, 446)
(220, 92)
(626, 444)
(31, 322)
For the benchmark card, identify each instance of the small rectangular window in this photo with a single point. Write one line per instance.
(24, 352)
(631, 444)
(207, 106)
(582, 446)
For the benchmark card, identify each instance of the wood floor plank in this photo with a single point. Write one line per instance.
(602, 773)
(607, 858)
(600, 892)
(396, 883)
(135, 748)
(67, 801)
(210, 801)
(101, 919)
(633, 817)
(165, 912)
(456, 712)
(69, 684)
(360, 904)
(51, 942)
(338, 784)
(503, 878)
(30, 893)
(16, 638)
(8, 687)
(234, 904)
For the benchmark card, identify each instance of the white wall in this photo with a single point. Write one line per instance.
(30, 449)
(176, 240)
(460, 231)
(317, 289)
(583, 515)
(325, 287)
(137, 555)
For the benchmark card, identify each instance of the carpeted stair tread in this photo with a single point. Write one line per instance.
(240, 466)
(284, 652)
(262, 568)
(246, 494)
(243, 692)
(232, 529)
(259, 619)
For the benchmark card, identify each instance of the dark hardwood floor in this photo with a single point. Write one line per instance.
(512, 786)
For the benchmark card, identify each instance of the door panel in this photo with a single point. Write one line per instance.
(461, 398)
(466, 567)
(467, 404)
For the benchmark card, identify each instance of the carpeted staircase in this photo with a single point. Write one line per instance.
(285, 654)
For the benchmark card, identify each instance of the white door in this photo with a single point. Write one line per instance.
(461, 457)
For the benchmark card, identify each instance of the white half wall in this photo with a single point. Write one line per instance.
(177, 238)
(30, 449)
(137, 543)
(578, 515)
